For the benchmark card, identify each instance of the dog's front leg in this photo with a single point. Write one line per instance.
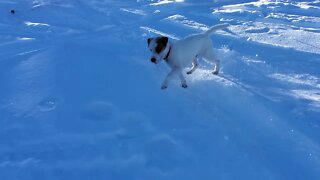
(168, 77)
(183, 80)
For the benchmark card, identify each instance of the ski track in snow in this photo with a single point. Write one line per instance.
(79, 98)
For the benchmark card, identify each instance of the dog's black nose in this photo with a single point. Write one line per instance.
(153, 60)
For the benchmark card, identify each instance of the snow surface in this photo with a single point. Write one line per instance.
(79, 98)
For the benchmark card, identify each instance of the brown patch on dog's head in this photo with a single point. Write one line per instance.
(161, 44)
(162, 40)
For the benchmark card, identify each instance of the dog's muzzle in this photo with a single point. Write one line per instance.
(153, 60)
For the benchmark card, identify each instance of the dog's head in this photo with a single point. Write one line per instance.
(158, 47)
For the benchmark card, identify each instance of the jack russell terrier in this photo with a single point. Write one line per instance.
(183, 52)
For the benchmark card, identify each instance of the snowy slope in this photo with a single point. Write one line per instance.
(79, 98)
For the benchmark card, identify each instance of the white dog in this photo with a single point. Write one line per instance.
(183, 52)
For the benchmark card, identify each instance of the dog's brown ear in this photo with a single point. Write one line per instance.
(163, 41)
(149, 40)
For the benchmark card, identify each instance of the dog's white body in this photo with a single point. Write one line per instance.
(182, 53)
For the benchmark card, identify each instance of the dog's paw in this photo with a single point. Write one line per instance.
(184, 85)
(164, 87)
(215, 72)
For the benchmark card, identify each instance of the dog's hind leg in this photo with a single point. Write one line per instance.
(209, 55)
(216, 67)
(194, 66)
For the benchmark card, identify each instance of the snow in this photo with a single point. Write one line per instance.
(79, 98)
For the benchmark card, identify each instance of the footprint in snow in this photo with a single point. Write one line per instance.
(135, 124)
(47, 104)
(99, 111)
(160, 146)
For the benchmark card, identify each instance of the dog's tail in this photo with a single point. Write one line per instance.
(215, 28)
